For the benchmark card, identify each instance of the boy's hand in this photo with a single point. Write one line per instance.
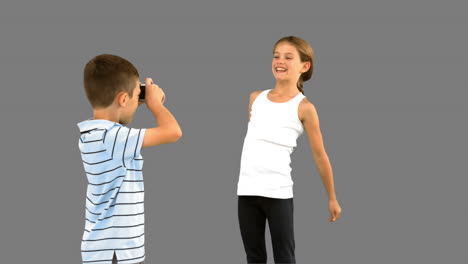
(154, 96)
(168, 129)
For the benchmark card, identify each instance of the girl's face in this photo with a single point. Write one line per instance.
(286, 64)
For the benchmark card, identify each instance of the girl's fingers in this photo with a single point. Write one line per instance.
(334, 215)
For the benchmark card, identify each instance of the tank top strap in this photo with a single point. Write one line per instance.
(264, 93)
(298, 98)
(262, 97)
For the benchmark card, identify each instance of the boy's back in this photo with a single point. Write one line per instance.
(115, 195)
(114, 219)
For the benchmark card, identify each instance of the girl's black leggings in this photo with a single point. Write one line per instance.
(253, 211)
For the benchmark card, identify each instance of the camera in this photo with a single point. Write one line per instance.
(141, 97)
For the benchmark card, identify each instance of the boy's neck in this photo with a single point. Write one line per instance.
(108, 113)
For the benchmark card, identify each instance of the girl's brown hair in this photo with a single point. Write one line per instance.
(306, 53)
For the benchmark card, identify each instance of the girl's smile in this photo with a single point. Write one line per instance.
(286, 63)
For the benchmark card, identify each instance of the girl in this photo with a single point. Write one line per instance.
(277, 117)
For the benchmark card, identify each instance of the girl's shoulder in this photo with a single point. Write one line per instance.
(255, 94)
(306, 109)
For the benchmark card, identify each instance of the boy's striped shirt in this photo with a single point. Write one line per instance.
(114, 209)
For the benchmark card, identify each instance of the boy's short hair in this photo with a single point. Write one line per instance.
(105, 76)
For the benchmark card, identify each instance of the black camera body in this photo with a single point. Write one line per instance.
(141, 97)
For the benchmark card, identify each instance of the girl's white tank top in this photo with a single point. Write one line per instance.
(271, 137)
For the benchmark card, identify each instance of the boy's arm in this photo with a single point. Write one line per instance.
(168, 129)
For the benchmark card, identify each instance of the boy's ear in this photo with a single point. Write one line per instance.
(122, 98)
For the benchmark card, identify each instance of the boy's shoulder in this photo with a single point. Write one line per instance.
(94, 124)
(100, 137)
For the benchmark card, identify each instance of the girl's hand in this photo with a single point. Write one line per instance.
(335, 210)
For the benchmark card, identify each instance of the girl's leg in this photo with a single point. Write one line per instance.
(252, 221)
(281, 223)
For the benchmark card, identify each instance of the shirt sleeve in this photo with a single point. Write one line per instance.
(127, 144)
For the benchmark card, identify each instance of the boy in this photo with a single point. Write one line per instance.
(110, 151)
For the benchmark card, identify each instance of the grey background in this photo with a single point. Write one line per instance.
(390, 87)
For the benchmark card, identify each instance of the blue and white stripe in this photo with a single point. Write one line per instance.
(114, 208)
